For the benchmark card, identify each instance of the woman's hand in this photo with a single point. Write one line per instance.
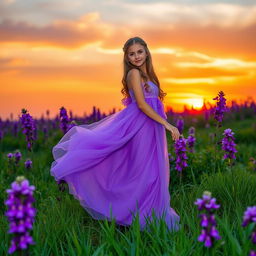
(174, 131)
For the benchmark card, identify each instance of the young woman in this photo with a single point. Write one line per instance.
(118, 167)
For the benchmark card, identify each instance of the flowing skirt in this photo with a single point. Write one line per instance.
(119, 166)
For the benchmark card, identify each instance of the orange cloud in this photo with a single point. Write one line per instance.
(62, 33)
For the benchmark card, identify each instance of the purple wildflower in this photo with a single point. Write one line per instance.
(248, 218)
(181, 157)
(17, 156)
(10, 155)
(15, 128)
(64, 120)
(28, 126)
(1, 134)
(221, 107)
(28, 164)
(11, 159)
(171, 158)
(206, 115)
(207, 205)
(180, 124)
(191, 139)
(61, 185)
(20, 213)
(191, 130)
(228, 144)
(45, 132)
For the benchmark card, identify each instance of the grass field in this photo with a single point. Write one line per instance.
(63, 227)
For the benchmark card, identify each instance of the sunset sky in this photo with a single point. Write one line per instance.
(69, 53)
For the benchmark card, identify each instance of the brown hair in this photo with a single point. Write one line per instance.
(149, 67)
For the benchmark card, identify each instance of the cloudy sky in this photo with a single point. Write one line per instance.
(69, 53)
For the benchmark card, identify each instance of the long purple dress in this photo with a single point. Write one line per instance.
(119, 165)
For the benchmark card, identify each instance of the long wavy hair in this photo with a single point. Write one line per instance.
(149, 68)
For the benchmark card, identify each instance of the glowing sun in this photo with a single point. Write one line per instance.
(195, 103)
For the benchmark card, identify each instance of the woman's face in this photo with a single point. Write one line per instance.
(136, 54)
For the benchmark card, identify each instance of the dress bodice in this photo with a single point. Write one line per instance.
(151, 92)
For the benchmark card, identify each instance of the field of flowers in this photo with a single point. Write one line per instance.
(212, 188)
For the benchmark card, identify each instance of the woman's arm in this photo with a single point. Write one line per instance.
(134, 81)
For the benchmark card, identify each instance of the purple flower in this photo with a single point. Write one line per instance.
(20, 213)
(15, 128)
(171, 158)
(248, 218)
(228, 144)
(1, 134)
(249, 215)
(28, 164)
(10, 155)
(191, 139)
(191, 130)
(221, 108)
(17, 156)
(64, 120)
(180, 124)
(45, 132)
(61, 185)
(207, 205)
(180, 151)
(28, 126)
(252, 253)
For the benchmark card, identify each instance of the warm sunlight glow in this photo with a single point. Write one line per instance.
(195, 103)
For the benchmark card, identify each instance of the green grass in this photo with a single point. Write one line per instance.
(63, 227)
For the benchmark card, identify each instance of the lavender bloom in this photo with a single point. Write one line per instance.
(180, 124)
(15, 129)
(61, 185)
(28, 164)
(28, 126)
(190, 143)
(248, 218)
(10, 155)
(181, 157)
(191, 139)
(45, 131)
(64, 120)
(35, 130)
(17, 156)
(20, 213)
(207, 205)
(191, 130)
(171, 158)
(221, 108)
(206, 115)
(228, 144)
(1, 134)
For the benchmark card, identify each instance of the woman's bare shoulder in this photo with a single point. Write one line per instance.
(134, 72)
